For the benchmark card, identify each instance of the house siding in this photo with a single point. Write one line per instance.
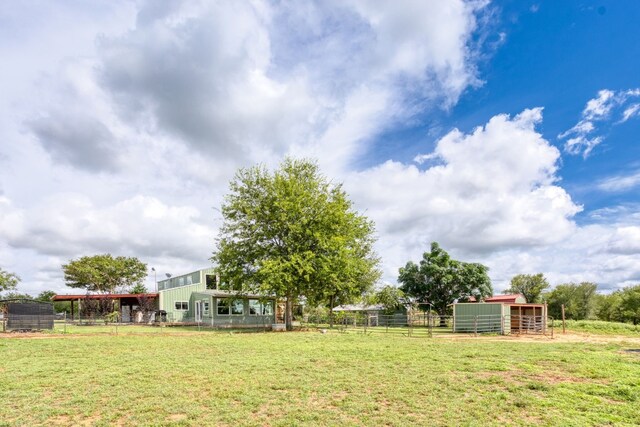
(184, 293)
(233, 320)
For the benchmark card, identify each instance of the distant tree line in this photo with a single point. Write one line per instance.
(580, 300)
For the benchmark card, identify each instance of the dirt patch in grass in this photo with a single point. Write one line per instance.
(60, 420)
(177, 417)
(556, 378)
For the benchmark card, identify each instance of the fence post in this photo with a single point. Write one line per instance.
(563, 324)
(475, 326)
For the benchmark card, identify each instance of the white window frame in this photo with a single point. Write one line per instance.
(182, 304)
(205, 307)
(233, 300)
(218, 307)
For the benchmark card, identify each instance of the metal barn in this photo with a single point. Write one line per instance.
(499, 317)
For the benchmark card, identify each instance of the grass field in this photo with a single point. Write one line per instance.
(153, 376)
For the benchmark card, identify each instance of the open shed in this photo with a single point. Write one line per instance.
(127, 304)
(500, 317)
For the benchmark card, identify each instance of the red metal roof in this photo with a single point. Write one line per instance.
(500, 298)
(100, 296)
(504, 298)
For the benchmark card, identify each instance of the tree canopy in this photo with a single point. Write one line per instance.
(620, 306)
(530, 286)
(292, 233)
(390, 297)
(139, 288)
(440, 280)
(578, 300)
(104, 273)
(8, 281)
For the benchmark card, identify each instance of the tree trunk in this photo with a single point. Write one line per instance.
(443, 319)
(331, 313)
(288, 316)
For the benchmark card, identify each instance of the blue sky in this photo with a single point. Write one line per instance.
(505, 130)
(555, 55)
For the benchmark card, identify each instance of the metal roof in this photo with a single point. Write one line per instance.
(358, 307)
(226, 294)
(101, 296)
(509, 298)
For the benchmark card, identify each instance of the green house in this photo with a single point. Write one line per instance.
(195, 298)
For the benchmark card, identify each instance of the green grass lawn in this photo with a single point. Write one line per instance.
(599, 327)
(173, 376)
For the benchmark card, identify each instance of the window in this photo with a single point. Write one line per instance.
(182, 305)
(267, 308)
(229, 306)
(212, 282)
(237, 306)
(205, 307)
(223, 306)
(256, 308)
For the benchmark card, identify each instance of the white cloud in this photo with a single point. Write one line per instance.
(493, 191)
(632, 111)
(580, 138)
(620, 183)
(626, 240)
(70, 224)
(601, 106)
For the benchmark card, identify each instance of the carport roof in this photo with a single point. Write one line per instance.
(101, 296)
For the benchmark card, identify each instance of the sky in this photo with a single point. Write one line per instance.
(506, 131)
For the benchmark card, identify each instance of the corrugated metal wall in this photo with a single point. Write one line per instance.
(483, 317)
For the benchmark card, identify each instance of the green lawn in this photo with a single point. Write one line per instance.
(172, 376)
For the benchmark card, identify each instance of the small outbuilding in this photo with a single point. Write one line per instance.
(26, 314)
(501, 314)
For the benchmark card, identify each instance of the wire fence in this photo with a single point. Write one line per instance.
(246, 323)
(411, 325)
(429, 325)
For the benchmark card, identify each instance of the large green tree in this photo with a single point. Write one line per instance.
(8, 281)
(104, 273)
(579, 300)
(440, 280)
(390, 297)
(292, 233)
(530, 286)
